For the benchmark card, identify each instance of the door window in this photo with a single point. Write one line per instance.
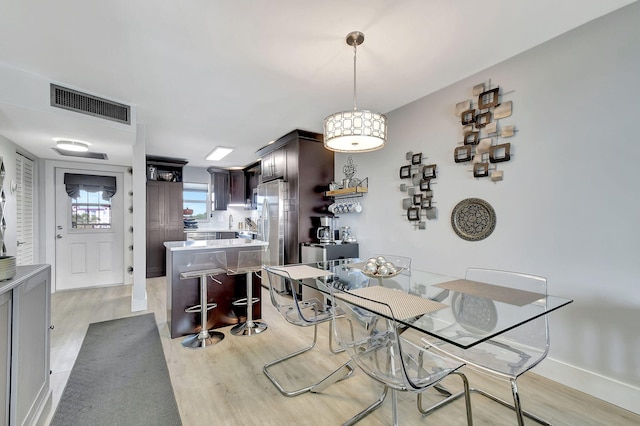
(91, 200)
(90, 211)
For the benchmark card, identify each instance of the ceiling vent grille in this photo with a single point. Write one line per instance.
(73, 100)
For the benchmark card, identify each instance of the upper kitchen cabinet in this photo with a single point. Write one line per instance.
(274, 163)
(220, 188)
(252, 175)
(237, 187)
(307, 168)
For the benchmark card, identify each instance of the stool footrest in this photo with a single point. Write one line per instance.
(243, 301)
(196, 274)
(198, 308)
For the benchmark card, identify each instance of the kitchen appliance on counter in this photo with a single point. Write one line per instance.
(326, 229)
(324, 234)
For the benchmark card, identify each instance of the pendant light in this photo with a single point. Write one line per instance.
(356, 130)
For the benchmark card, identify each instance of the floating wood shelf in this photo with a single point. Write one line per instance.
(347, 192)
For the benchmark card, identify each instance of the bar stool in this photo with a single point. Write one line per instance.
(249, 262)
(205, 338)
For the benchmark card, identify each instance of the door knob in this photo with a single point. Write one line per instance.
(58, 236)
(59, 227)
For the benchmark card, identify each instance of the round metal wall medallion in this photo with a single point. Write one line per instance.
(473, 219)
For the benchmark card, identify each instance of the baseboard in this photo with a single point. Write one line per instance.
(609, 390)
(138, 305)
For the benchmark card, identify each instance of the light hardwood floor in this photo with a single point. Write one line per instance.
(224, 384)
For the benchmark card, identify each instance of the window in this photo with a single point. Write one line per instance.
(195, 196)
(90, 200)
(89, 210)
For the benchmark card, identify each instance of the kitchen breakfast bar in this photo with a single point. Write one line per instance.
(187, 256)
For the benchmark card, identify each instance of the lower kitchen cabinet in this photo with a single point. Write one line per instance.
(25, 316)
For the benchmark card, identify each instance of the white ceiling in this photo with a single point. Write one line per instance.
(240, 73)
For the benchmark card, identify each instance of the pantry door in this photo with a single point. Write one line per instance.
(89, 232)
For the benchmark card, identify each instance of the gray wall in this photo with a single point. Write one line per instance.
(569, 204)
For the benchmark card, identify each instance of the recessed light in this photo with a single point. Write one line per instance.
(69, 145)
(219, 153)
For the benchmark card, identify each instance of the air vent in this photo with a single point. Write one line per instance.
(92, 155)
(73, 100)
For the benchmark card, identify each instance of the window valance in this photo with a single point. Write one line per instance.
(74, 183)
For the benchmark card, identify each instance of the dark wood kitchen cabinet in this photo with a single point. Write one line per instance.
(165, 222)
(252, 180)
(308, 169)
(237, 188)
(220, 189)
(274, 164)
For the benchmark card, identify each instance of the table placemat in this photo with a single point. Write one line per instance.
(403, 305)
(498, 293)
(299, 272)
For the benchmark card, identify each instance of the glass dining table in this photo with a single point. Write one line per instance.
(434, 304)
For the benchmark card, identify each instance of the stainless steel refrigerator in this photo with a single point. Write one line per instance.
(271, 218)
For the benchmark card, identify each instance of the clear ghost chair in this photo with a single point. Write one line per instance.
(510, 354)
(387, 352)
(302, 313)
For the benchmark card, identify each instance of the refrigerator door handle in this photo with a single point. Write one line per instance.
(264, 218)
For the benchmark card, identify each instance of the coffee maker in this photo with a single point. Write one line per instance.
(324, 233)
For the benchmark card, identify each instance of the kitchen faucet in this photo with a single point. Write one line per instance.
(230, 221)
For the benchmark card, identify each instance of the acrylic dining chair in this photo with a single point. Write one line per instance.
(509, 355)
(383, 349)
(302, 313)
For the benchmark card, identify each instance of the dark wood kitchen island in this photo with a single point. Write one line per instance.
(183, 256)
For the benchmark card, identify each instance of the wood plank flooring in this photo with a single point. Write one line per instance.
(225, 385)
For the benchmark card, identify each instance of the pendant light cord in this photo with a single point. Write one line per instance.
(355, 51)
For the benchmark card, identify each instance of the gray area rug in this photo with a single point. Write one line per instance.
(119, 378)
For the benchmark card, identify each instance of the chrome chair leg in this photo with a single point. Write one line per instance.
(333, 351)
(334, 377)
(450, 397)
(516, 406)
(362, 414)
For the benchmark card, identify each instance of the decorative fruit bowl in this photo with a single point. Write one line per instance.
(389, 275)
(379, 267)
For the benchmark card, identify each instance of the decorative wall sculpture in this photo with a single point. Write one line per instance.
(473, 219)
(482, 131)
(419, 201)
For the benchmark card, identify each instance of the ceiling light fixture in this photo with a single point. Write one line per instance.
(219, 153)
(355, 131)
(75, 146)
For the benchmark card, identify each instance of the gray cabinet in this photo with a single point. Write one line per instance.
(25, 316)
(5, 355)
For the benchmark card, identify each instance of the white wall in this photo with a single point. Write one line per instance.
(8, 154)
(568, 207)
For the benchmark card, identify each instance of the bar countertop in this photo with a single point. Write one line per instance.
(214, 244)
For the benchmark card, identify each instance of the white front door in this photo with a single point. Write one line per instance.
(89, 254)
